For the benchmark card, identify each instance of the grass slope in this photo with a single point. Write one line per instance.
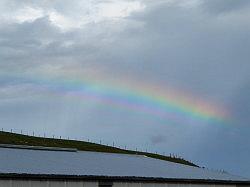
(19, 139)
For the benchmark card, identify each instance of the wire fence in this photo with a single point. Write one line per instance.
(114, 144)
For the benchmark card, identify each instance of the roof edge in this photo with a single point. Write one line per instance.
(41, 148)
(16, 176)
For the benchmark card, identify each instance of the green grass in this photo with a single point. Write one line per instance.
(19, 139)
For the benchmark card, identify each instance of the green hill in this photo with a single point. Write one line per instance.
(19, 139)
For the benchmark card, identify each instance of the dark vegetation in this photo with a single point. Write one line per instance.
(19, 139)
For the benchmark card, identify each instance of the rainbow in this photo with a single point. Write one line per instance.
(147, 98)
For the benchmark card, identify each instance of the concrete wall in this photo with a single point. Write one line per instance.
(27, 183)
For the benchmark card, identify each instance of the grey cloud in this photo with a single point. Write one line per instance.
(167, 45)
(158, 139)
(240, 105)
(21, 42)
(224, 6)
(198, 52)
(181, 45)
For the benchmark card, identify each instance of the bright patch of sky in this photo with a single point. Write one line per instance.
(87, 12)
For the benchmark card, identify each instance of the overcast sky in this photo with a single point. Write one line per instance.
(196, 49)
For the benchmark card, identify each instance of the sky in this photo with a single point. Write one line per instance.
(166, 76)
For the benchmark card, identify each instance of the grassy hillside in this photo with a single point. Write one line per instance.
(18, 139)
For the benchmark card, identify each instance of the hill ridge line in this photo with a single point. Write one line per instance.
(15, 139)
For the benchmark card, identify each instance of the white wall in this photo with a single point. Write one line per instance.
(167, 185)
(23, 183)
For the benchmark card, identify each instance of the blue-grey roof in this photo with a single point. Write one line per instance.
(83, 163)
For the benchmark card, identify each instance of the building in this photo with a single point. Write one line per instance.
(24, 166)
